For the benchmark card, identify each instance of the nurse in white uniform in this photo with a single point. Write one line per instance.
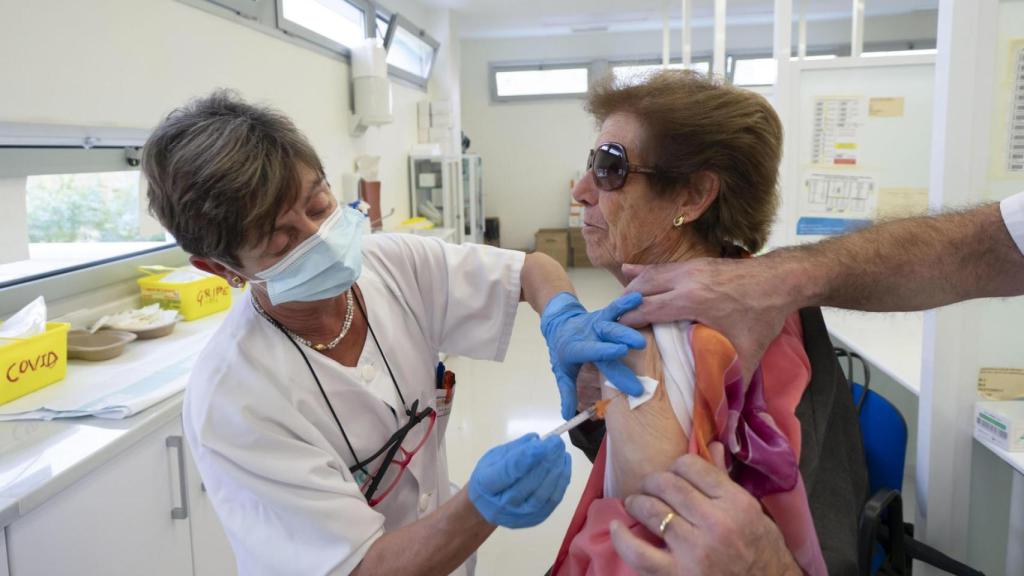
(316, 414)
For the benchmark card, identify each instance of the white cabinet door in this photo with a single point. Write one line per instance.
(3, 554)
(115, 521)
(211, 550)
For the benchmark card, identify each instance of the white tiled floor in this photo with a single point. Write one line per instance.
(498, 402)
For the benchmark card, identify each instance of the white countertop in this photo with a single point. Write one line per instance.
(890, 342)
(38, 458)
(1014, 459)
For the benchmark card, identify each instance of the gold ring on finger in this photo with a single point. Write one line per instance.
(664, 523)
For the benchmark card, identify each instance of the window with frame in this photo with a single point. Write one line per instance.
(66, 209)
(513, 83)
(754, 71)
(335, 24)
(906, 52)
(412, 51)
(635, 73)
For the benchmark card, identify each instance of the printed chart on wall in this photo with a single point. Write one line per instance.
(836, 203)
(837, 120)
(1015, 135)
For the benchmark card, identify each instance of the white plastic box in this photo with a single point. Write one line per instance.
(1001, 423)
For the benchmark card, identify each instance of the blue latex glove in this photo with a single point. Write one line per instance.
(576, 337)
(519, 484)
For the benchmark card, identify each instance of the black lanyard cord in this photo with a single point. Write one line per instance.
(359, 464)
(324, 394)
(359, 302)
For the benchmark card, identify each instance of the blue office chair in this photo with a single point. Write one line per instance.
(886, 543)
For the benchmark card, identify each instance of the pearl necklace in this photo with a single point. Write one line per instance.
(350, 308)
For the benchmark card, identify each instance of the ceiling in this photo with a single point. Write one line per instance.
(520, 18)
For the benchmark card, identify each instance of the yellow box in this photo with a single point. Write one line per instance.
(33, 363)
(191, 299)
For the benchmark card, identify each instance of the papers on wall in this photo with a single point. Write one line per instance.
(836, 203)
(885, 107)
(837, 120)
(1015, 140)
(848, 195)
(1001, 383)
(901, 202)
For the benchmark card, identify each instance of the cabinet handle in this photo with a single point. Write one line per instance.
(181, 512)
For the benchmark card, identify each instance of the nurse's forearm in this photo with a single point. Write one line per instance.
(542, 278)
(436, 544)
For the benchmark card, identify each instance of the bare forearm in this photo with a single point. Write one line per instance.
(904, 265)
(542, 278)
(436, 544)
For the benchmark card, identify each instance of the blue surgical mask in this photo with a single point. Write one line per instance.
(323, 266)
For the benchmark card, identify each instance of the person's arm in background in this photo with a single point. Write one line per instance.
(903, 265)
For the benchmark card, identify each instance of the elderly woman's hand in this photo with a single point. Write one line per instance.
(717, 527)
(746, 300)
(576, 337)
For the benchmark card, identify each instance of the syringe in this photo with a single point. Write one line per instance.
(572, 422)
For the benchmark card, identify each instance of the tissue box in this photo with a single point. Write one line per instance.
(191, 299)
(1001, 423)
(34, 362)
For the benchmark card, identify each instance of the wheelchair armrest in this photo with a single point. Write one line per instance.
(883, 510)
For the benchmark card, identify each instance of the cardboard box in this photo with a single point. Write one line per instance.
(578, 249)
(580, 260)
(579, 257)
(555, 243)
(1001, 423)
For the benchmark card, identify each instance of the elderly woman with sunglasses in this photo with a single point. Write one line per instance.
(685, 167)
(316, 413)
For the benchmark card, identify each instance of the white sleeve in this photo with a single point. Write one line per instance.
(464, 296)
(1013, 216)
(284, 502)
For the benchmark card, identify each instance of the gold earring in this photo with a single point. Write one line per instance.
(236, 281)
(679, 221)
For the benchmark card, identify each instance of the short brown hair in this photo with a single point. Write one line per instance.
(692, 123)
(220, 171)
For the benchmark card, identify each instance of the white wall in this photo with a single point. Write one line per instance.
(13, 232)
(531, 150)
(126, 63)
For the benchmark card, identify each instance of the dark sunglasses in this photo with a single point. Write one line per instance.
(610, 166)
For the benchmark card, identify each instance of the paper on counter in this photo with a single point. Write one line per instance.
(119, 404)
(139, 319)
(29, 321)
(185, 275)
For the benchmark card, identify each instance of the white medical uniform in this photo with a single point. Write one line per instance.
(271, 456)
(1013, 215)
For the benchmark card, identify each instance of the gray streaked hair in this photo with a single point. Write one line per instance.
(220, 171)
